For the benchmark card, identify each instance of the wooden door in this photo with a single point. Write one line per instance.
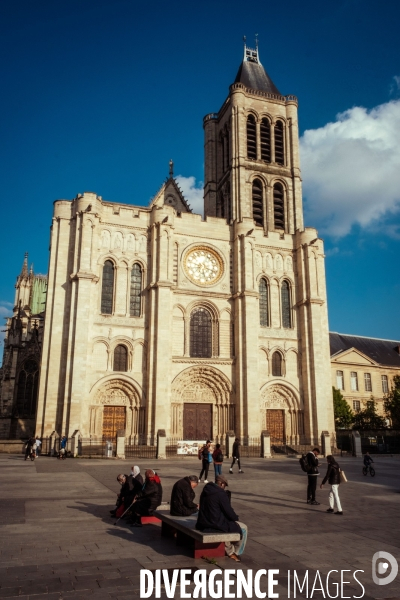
(197, 421)
(276, 425)
(113, 420)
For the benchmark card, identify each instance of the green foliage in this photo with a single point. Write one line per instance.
(368, 418)
(344, 416)
(391, 404)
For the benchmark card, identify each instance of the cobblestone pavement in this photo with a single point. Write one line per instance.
(58, 541)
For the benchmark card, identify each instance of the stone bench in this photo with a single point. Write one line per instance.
(183, 529)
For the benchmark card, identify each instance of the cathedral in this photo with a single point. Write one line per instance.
(159, 319)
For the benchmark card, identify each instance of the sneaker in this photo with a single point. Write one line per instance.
(309, 501)
(240, 471)
(339, 512)
(206, 481)
(200, 481)
(230, 471)
(315, 503)
(329, 510)
(234, 557)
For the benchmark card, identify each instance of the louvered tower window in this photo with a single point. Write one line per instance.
(286, 308)
(279, 144)
(264, 309)
(200, 333)
(279, 207)
(257, 195)
(276, 364)
(251, 137)
(135, 291)
(27, 389)
(265, 139)
(107, 290)
(120, 358)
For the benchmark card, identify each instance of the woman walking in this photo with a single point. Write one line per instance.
(333, 478)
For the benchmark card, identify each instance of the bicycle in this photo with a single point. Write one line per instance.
(369, 469)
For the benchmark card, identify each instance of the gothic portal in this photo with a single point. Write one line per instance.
(157, 318)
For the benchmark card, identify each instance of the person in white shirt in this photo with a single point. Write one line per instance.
(38, 444)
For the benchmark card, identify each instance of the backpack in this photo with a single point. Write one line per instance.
(304, 464)
(220, 457)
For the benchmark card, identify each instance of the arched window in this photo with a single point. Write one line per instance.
(257, 194)
(264, 308)
(200, 333)
(265, 140)
(27, 389)
(286, 308)
(251, 137)
(107, 290)
(277, 364)
(120, 358)
(279, 143)
(279, 207)
(136, 291)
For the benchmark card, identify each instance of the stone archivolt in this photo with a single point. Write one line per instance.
(202, 384)
(117, 393)
(279, 396)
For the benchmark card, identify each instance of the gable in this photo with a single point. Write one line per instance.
(171, 195)
(353, 356)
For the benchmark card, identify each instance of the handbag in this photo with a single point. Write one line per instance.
(343, 478)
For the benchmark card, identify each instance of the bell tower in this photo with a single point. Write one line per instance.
(252, 153)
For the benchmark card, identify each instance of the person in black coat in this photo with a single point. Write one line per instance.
(236, 455)
(216, 514)
(129, 488)
(312, 474)
(148, 499)
(333, 478)
(182, 497)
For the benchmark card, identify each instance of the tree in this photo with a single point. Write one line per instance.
(344, 416)
(368, 418)
(391, 404)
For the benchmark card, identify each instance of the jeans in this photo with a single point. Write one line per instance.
(334, 495)
(217, 469)
(311, 487)
(205, 467)
(237, 547)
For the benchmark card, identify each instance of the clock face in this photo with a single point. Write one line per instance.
(203, 266)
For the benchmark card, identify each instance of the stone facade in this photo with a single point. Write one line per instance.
(19, 374)
(364, 368)
(229, 330)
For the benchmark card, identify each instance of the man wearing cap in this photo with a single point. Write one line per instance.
(182, 497)
(216, 514)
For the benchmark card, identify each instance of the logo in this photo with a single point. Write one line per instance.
(380, 568)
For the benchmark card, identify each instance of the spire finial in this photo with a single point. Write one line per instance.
(256, 40)
(171, 168)
(24, 270)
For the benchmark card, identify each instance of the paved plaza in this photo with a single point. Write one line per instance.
(58, 541)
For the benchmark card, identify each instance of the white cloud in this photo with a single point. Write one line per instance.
(351, 169)
(192, 192)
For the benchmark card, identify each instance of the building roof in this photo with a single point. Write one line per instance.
(253, 75)
(384, 352)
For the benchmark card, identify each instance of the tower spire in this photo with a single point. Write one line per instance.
(24, 270)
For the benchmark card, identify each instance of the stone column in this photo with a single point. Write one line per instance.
(54, 437)
(120, 453)
(230, 438)
(357, 451)
(161, 444)
(325, 443)
(75, 443)
(265, 444)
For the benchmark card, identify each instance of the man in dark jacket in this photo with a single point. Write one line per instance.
(216, 514)
(312, 460)
(148, 499)
(130, 487)
(205, 463)
(182, 497)
(236, 455)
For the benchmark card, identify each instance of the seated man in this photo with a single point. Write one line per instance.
(148, 500)
(216, 514)
(130, 487)
(182, 497)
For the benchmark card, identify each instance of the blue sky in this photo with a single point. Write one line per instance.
(98, 95)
